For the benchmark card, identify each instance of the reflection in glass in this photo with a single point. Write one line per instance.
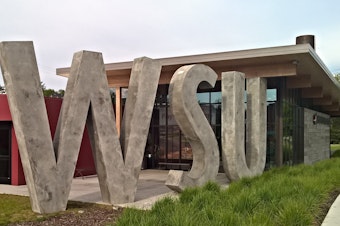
(216, 97)
(173, 145)
(271, 95)
(186, 151)
(203, 98)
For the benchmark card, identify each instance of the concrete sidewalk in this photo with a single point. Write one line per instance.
(150, 188)
(333, 215)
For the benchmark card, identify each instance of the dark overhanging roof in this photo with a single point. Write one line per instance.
(299, 63)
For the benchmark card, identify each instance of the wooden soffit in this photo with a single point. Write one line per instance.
(300, 63)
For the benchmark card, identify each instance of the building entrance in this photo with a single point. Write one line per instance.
(171, 148)
(5, 153)
(168, 147)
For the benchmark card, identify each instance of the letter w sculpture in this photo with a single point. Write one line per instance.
(49, 165)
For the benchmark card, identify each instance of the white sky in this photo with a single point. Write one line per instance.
(124, 30)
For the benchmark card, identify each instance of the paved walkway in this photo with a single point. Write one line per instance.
(333, 215)
(150, 188)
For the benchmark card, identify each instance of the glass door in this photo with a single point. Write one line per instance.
(5, 153)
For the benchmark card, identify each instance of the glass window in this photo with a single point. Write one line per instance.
(162, 144)
(206, 110)
(271, 95)
(173, 142)
(216, 97)
(5, 153)
(186, 151)
(4, 142)
(203, 98)
(124, 94)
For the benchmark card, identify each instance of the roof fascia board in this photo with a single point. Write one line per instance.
(222, 56)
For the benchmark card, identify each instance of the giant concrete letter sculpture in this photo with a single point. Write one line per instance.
(236, 163)
(194, 125)
(48, 166)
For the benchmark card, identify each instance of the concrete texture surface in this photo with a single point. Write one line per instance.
(87, 89)
(139, 105)
(49, 166)
(195, 126)
(256, 129)
(235, 162)
(26, 102)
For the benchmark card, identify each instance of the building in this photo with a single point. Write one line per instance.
(302, 95)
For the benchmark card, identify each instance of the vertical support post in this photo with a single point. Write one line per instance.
(118, 108)
(279, 127)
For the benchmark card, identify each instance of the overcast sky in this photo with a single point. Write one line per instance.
(124, 30)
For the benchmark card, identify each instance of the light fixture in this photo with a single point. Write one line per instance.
(315, 119)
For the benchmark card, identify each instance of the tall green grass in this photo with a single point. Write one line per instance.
(281, 196)
(336, 154)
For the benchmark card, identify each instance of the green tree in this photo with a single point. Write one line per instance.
(335, 130)
(337, 77)
(51, 92)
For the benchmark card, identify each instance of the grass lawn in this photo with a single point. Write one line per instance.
(282, 196)
(335, 147)
(16, 209)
